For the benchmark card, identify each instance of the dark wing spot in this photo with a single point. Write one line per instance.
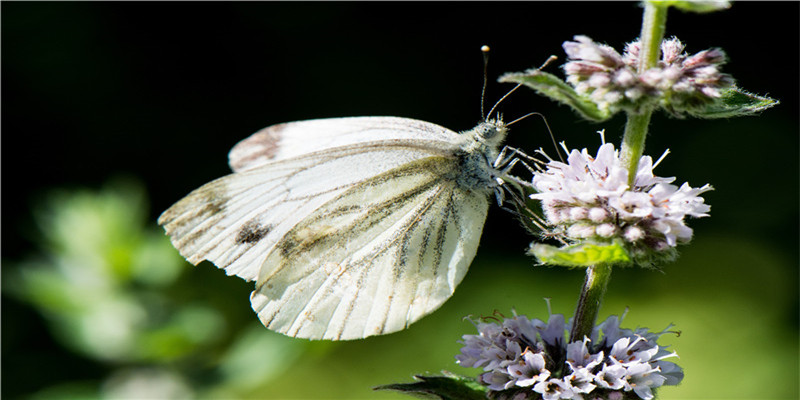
(288, 244)
(252, 232)
(214, 201)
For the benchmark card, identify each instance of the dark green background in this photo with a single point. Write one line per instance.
(161, 91)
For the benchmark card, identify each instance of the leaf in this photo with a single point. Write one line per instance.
(697, 6)
(580, 255)
(735, 102)
(448, 387)
(551, 86)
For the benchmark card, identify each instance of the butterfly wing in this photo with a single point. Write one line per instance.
(292, 139)
(376, 258)
(344, 242)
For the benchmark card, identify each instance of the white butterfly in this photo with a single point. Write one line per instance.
(351, 227)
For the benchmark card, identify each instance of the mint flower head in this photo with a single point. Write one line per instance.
(529, 359)
(678, 83)
(588, 198)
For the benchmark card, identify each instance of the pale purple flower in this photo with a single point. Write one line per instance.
(620, 362)
(498, 380)
(613, 377)
(588, 198)
(579, 356)
(554, 389)
(529, 370)
(580, 381)
(643, 378)
(679, 82)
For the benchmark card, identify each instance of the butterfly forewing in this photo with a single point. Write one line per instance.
(235, 220)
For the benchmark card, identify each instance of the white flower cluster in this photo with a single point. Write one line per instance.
(528, 359)
(589, 198)
(678, 82)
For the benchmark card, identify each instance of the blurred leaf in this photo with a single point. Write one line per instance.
(43, 287)
(68, 391)
(198, 324)
(735, 102)
(156, 262)
(257, 356)
(100, 228)
(146, 383)
(100, 258)
(187, 328)
(551, 86)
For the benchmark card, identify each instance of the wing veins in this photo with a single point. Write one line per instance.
(316, 298)
(386, 206)
(441, 231)
(395, 238)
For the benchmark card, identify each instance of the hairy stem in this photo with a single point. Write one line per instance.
(597, 276)
(653, 29)
(654, 25)
(633, 142)
(594, 288)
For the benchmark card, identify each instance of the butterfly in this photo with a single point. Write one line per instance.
(350, 227)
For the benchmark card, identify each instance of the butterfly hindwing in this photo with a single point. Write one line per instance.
(376, 258)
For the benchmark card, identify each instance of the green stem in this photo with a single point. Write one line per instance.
(633, 142)
(594, 288)
(654, 24)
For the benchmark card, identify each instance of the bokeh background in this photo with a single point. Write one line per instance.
(113, 111)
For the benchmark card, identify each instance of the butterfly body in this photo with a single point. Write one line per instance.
(351, 227)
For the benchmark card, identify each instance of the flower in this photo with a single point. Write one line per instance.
(588, 198)
(679, 82)
(614, 363)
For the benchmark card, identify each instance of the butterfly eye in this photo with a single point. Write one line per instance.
(490, 131)
(487, 131)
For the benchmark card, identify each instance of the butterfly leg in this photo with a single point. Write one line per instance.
(507, 154)
(510, 156)
(532, 221)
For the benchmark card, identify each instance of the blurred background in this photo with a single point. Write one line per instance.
(113, 111)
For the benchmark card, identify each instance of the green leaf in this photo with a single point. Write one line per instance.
(735, 102)
(697, 6)
(551, 86)
(448, 387)
(580, 255)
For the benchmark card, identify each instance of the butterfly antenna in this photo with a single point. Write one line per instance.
(501, 100)
(485, 50)
(546, 63)
(552, 137)
(520, 118)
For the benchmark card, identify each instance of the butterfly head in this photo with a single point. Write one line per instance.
(491, 132)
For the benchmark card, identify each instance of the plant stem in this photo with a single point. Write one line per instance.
(633, 142)
(654, 25)
(653, 28)
(594, 288)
